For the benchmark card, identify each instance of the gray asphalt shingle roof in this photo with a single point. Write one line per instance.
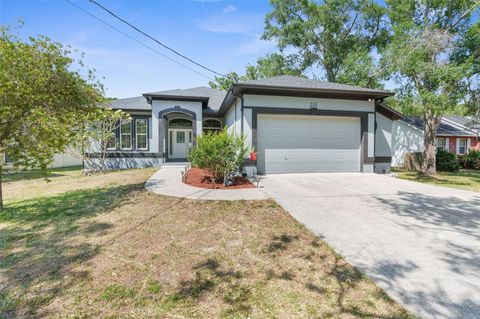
(464, 121)
(443, 129)
(289, 81)
(130, 103)
(214, 96)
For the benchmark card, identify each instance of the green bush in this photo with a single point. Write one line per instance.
(447, 161)
(219, 153)
(471, 160)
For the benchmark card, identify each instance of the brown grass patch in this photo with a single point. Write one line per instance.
(121, 251)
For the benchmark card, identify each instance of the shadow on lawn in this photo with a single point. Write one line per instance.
(37, 251)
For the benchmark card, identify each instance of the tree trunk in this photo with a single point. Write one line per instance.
(429, 153)
(1, 191)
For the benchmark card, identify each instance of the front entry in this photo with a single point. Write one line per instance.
(180, 142)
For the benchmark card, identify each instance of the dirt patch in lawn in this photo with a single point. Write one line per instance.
(119, 251)
(201, 178)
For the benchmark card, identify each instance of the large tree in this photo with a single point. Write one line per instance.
(334, 39)
(421, 55)
(468, 52)
(273, 64)
(44, 99)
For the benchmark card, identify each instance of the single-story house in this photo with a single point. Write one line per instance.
(294, 124)
(456, 134)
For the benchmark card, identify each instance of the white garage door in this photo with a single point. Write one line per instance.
(295, 144)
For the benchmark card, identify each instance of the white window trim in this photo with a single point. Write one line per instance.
(444, 147)
(458, 146)
(115, 142)
(145, 134)
(121, 134)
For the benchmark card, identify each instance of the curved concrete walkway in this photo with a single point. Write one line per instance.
(168, 181)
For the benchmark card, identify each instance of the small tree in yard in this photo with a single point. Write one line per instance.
(96, 140)
(43, 102)
(218, 153)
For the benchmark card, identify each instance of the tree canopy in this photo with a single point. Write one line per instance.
(43, 99)
(333, 39)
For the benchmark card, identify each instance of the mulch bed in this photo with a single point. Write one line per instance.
(201, 178)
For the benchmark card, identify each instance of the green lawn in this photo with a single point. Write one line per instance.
(463, 179)
(102, 246)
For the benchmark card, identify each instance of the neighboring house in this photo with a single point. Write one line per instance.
(454, 134)
(294, 124)
(59, 160)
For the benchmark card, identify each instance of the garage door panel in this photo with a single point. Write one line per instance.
(288, 144)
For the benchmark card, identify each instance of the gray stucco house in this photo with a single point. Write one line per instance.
(294, 124)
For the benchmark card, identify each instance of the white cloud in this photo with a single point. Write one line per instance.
(230, 8)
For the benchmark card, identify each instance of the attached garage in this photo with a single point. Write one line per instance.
(308, 143)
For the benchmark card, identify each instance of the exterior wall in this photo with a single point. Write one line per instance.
(128, 162)
(383, 143)
(383, 137)
(371, 135)
(452, 144)
(160, 105)
(233, 121)
(308, 103)
(231, 118)
(65, 160)
(405, 139)
(382, 168)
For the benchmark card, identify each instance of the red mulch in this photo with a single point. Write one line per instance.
(201, 178)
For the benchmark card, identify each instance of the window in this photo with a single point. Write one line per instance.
(126, 135)
(462, 145)
(112, 141)
(180, 123)
(141, 133)
(180, 137)
(441, 144)
(212, 125)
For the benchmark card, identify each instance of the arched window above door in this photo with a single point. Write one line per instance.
(180, 123)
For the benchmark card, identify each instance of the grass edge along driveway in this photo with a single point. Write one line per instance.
(464, 179)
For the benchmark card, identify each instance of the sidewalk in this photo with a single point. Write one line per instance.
(168, 181)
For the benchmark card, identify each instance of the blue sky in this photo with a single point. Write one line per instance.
(223, 35)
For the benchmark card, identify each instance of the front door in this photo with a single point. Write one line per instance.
(180, 142)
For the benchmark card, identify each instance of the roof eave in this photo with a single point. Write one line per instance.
(372, 94)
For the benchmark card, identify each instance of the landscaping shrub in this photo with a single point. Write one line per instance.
(471, 160)
(447, 161)
(219, 153)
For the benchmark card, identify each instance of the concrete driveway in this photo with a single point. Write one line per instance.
(421, 243)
